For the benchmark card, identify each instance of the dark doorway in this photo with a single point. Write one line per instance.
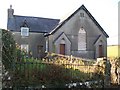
(100, 51)
(40, 51)
(62, 49)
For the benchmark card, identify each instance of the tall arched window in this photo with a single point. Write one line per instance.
(82, 39)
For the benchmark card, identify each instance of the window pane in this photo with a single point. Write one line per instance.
(25, 47)
(24, 31)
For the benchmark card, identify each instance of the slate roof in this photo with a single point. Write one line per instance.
(89, 14)
(36, 24)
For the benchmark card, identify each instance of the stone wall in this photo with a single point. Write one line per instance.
(93, 67)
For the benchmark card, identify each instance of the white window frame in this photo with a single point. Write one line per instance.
(24, 31)
(25, 47)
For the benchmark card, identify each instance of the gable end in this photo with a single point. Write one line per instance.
(89, 14)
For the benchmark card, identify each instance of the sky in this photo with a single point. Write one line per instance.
(104, 11)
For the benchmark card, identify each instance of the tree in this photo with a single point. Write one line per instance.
(8, 49)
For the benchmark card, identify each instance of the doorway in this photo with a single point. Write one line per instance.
(100, 51)
(62, 49)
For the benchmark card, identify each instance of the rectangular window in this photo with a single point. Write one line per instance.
(81, 14)
(24, 31)
(25, 47)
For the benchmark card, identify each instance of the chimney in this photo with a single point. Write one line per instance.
(10, 12)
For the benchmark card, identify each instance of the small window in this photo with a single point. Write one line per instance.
(81, 14)
(25, 47)
(24, 31)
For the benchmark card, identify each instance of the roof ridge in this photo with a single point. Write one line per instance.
(36, 17)
(36, 24)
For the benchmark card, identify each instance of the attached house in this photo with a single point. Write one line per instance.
(79, 35)
(29, 31)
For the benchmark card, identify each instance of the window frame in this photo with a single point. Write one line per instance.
(23, 46)
(24, 31)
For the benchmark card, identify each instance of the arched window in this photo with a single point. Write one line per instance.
(82, 39)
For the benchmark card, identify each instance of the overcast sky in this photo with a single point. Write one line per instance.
(104, 11)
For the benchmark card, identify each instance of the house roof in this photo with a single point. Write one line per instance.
(36, 24)
(89, 14)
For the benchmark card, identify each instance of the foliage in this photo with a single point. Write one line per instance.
(33, 72)
(8, 49)
(53, 71)
(115, 62)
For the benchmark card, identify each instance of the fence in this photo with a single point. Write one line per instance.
(52, 74)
